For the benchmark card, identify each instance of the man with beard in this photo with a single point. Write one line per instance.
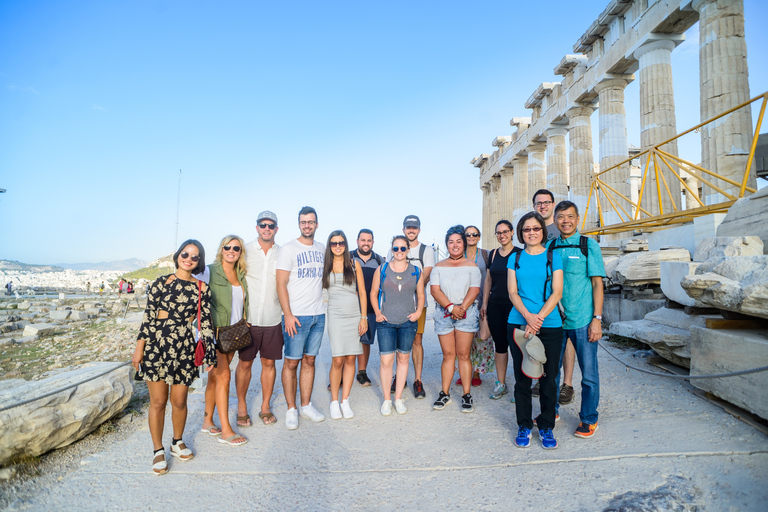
(369, 262)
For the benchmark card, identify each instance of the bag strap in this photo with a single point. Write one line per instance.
(199, 300)
(485, 257)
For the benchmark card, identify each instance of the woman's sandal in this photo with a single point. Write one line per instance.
(180, 451)
(212, 430)
(231, 440)
(159, 465)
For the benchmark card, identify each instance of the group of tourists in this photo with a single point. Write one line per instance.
(273, 295)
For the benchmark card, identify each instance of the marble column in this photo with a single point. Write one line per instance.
(613, 146)
(581, 162)
(657, 121)
(486, 188)
(521, 200)
(537, 170)
(507, 194)
(723, 77)
(557, 167)
(495, 207)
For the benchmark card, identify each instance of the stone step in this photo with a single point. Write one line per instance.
(671, 343)
(677, 318)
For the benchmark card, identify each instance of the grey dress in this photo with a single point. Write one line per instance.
(343, 317)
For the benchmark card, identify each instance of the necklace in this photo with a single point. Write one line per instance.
(455, 259)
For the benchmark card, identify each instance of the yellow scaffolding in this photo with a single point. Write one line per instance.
(634, 217)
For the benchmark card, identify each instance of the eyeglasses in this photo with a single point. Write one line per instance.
(338, 244)
(502, 233)
(307, 223)
(543, 203)
(396, 249)
(528, 230)
(473, 235)
(235, 248)
(185, 255)
(267, 225)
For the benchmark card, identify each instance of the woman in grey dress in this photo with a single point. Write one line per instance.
(346, 318)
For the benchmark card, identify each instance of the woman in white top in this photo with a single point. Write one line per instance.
(455, 285)
(229, 299)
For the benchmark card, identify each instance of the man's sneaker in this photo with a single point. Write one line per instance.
(400, 406)
(499, 391)
(566, 394)
(585, 430)
(335, 410)
(392, 388)
(362, 378)
(548, 441)
(386, 408)
(346, 410)
(418, 389)
(443, 399)
(308, 411)
(535, 390)
(536, 420)
(467, 404)
(292, 419)
(523, 439)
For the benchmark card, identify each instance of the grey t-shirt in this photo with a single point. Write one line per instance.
(399, 297)
(552, 232)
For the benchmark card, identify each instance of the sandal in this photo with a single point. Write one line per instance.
(212, 430)
(159, 465)
(234, 440)
(268, 418)
(181, 452)
(246, 421)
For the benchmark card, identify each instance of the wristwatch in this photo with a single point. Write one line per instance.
(450, 308)
(599, 317)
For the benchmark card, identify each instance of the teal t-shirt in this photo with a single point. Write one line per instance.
(531, 277)
(577, 286)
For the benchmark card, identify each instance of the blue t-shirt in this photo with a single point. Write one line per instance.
(530, 286)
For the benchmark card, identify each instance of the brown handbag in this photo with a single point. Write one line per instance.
(234, 337)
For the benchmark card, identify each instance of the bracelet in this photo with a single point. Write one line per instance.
(363, 318)
(449, 307)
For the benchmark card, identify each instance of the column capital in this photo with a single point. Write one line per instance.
(485, 187)
(554, 131)
(506, 171)
(617, 82)
(580, 110)
(536, 146)
(501, 141)
(658, 44)
(520, 122)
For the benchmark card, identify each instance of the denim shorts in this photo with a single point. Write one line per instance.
(369, 335)
(396, 337)
(308, 337)
(446, 324)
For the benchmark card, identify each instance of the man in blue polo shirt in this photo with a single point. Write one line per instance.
(583, 304)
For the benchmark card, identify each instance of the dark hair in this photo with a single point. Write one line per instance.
(349, 272)
(564, 205)
(543, 191)
(456, 230)
(471, 226)
(200, 263)
(539, 219)
(509, 224)
(306, 210)
(403, 238)
(365, 231)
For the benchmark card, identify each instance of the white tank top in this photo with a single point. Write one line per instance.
(237, 305)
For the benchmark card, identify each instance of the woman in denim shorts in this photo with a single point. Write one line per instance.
(397, 297)
(455, 285)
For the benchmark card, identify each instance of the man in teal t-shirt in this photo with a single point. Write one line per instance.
(583, 305)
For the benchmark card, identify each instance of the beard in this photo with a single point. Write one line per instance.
(363, 252)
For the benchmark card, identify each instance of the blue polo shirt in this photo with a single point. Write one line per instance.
(531, 277)
(577, 286)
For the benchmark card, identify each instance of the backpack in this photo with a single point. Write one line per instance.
(383, 275)
(583, 241)
(379, 259)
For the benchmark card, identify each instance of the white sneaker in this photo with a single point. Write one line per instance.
(335, 411)
(292, 419)
(400, 406)
(346, 410)
(386, 408)
(308, 411)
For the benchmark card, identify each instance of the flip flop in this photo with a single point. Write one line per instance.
(268, 418)
(231, 440)
(212, 430)
(246, 419)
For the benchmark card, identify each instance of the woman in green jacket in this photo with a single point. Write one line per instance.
(229, 300)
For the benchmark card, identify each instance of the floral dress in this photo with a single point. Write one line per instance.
(169, 348)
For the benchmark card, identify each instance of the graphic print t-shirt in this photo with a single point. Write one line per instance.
(305, 284)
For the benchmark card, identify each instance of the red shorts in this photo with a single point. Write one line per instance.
(267, 340)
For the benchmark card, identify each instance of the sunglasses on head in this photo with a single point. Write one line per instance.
(267, 225)
(235, 248)
(185, 255)
(396, 249)
(338, 244)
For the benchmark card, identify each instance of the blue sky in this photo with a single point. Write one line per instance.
(368, 111)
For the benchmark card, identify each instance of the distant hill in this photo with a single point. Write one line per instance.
(155, 269)
(17, 265)
(119, 265)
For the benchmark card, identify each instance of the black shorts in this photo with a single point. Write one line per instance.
(267, 340)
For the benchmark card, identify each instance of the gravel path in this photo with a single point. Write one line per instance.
(659, 447)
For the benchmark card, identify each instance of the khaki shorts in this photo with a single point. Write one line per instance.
(422, 322)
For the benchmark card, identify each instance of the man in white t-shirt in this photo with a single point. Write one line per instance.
(423, 257)
(264, 317)
(300, 290)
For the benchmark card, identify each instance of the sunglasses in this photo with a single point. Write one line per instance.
(235, 248)
(528, 230)
(267, 225)
(185, 255)
(338, 244)
(396, 249)
(473, 235)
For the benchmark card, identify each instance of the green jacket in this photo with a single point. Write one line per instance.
(221, 295)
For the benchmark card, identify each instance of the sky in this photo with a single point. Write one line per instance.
(368, 111)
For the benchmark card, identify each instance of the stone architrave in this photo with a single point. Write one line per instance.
(557, 163)
(613, 147)
(507, 195)
(537, 170)
(521, 200)
(581, 163)
(724, 84)
(641, 268)
(657, 122)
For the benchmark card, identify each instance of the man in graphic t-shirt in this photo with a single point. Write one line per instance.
(299, 277)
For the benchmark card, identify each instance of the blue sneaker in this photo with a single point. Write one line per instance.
(523, 439)
(548, 441)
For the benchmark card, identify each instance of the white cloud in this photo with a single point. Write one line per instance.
(98, 107)
(14, 87)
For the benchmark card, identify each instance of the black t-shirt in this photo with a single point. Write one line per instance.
(498, 269)
(369, 269)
